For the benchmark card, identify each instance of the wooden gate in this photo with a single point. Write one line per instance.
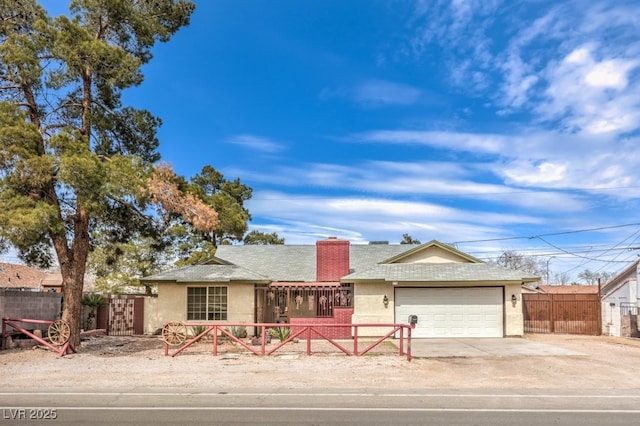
(562, 313)
(125, 316)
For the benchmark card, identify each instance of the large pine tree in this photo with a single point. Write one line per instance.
(73, 158)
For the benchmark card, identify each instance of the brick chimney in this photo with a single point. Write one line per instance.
(332, 257)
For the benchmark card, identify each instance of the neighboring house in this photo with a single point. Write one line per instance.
(452, 293)
(569, 289)
(559, 289)
(620, 297)
(26, 278)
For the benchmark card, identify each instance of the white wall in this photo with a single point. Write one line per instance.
(611, 311)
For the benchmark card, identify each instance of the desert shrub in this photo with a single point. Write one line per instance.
(282, 333)
(238, 331)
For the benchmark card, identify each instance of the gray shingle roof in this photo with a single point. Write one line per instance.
(440, 272)
(208, 273)
(297, 263)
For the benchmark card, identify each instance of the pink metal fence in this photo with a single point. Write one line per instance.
(65, 347)
(308, 332)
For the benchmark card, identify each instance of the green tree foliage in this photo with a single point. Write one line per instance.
(227, 198)
(73, 158)
(190, 245)
(118, 267)
(181, 244)
(262, 238)
(408, 239)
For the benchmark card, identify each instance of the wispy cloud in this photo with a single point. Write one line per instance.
(569, 64)
(341, 215)
(256, 143)
(376, 94)
(535, 159)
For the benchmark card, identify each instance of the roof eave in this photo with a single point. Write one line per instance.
(432, 243)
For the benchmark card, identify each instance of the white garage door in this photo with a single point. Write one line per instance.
(452, 312)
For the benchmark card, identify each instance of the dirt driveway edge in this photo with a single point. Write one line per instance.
(138, 363)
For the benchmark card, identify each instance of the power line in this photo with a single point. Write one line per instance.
(601, 228)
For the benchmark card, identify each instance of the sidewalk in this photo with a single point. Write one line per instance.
(508, 346)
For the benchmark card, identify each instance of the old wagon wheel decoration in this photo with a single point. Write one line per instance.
(59, 332)
(174, 333)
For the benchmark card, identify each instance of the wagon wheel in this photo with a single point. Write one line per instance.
(174, 333)
(59, 332)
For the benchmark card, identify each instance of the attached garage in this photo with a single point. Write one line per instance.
(452, 312)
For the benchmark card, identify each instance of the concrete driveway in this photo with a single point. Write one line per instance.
(468, 347)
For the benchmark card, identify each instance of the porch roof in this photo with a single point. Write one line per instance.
(305, 284)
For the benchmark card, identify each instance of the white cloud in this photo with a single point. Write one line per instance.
(375, 93)
(487, 143)
(540, 174)
(256, 143)
(591, 95)
(572, 64)
(365, 219)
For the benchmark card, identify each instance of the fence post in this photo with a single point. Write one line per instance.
(215, 340)
(355, 340)
(552, 316)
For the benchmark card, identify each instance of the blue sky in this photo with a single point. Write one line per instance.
(495, 125)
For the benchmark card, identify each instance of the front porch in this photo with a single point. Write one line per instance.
(304, 304)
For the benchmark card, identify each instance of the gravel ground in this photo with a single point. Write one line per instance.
(138, 363)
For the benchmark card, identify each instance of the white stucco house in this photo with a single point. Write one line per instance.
(620, 296)
(335, 282)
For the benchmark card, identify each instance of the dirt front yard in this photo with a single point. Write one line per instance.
(138, 363)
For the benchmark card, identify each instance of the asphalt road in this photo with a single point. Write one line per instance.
(365, 407)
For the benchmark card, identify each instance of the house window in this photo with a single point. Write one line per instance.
(207, 303)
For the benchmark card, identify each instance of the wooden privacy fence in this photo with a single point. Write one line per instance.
(562, 313)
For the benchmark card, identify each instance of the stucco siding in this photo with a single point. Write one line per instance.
(369, 307)
(241, 303)
(432, 255)
(172, 302)
(152, 320)
(513, 317)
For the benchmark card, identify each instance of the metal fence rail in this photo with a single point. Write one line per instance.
(173, 336)
(61, 347)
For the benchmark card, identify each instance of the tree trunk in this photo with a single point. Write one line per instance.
(72, 308)
(73, 264)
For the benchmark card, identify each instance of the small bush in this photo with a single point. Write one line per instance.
(196, 330)
(282, 333)
(237, 331)
(94, 300)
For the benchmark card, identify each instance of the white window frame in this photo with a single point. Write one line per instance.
(215, 302)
